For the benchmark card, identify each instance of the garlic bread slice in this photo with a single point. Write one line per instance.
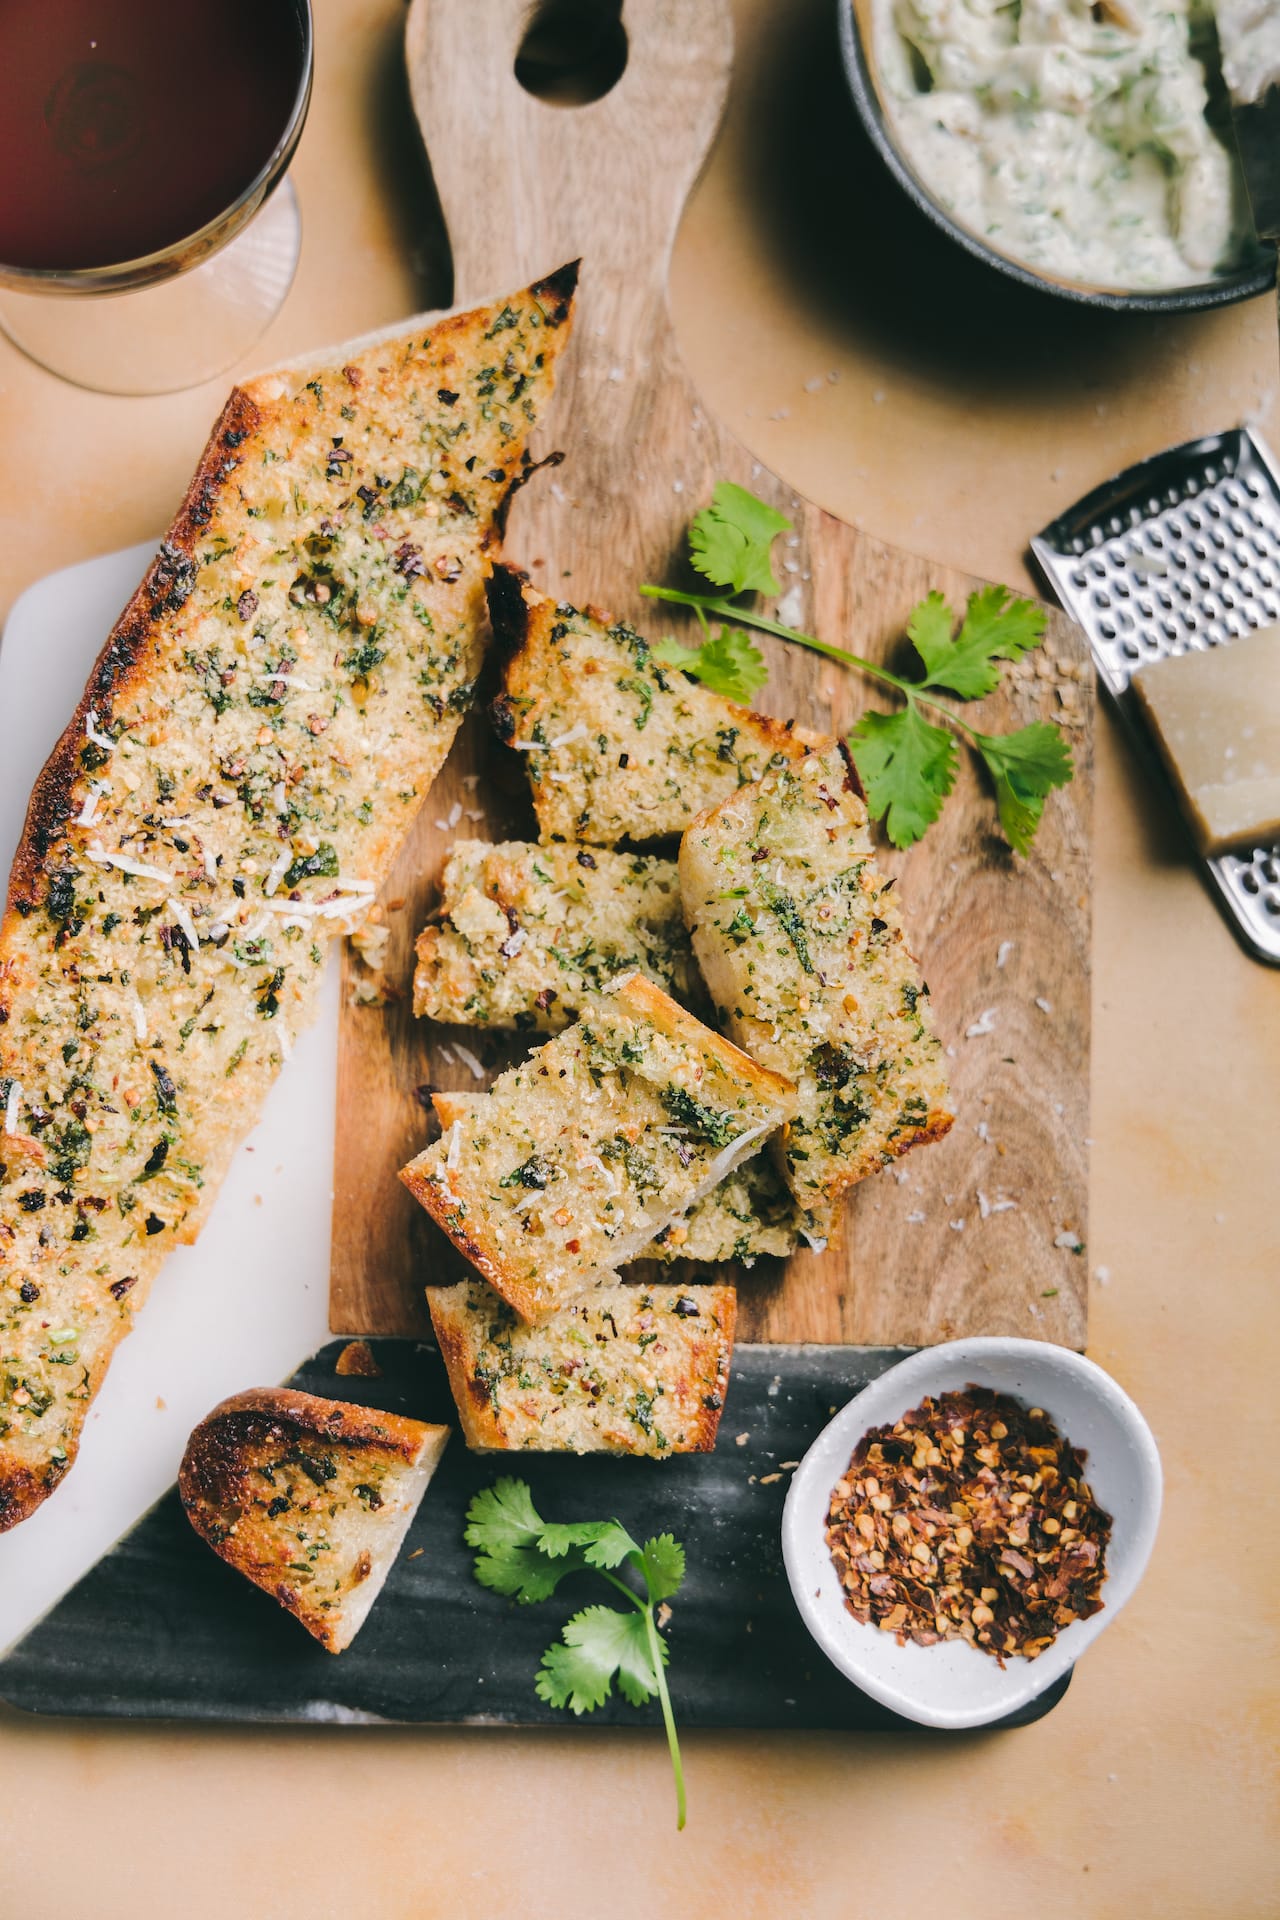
(616, 746)
(576, 1158)
(309, 1498)
(800, 940)
(257, 735)
(525, 934)
(627, 1369)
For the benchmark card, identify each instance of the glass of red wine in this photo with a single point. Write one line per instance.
(147, 231)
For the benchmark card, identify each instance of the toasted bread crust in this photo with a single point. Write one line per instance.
(646, 1376)
(239, 1482)
(195, 740)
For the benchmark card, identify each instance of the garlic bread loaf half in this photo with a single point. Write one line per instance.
(256, 737)
(525, 934)
(616, 746)
(751, 1212)
(801, 942)
(309, 1498)
(575, 1159)
(627, 1369)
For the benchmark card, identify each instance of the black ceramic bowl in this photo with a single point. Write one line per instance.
(1222, 291)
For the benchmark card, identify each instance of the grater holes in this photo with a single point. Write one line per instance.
(1249, 880)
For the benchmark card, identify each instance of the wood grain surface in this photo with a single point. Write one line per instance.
(932, 1249)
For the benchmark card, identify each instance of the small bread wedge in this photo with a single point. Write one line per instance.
(573, 1160)
(800, 941)
(616, 746)
(750, 1213)
(525, 934)
(256, 737)
(627, 1370)
(308, 1498)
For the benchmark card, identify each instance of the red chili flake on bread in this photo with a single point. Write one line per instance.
(969, 1519)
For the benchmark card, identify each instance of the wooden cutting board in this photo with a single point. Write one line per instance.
(932, 1250)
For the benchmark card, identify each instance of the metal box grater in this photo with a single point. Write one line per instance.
(1181, 551)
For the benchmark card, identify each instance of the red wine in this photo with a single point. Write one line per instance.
(128, 125)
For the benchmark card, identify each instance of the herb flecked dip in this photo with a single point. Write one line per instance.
(1089, 142)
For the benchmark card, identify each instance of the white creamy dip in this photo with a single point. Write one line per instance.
(1070, 136)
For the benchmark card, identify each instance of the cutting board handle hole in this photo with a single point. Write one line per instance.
(573, 51)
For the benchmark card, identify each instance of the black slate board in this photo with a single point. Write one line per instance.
(161, 1629)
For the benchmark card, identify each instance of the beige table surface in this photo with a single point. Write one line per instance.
(953, 416)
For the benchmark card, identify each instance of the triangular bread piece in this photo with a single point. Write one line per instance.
(308, 1498)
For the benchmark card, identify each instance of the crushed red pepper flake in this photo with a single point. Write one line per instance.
(969, 1519)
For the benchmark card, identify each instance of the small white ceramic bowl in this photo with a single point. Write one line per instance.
(951, 1684)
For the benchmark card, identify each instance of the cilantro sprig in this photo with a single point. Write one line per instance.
(521, 1554)
(906, 761)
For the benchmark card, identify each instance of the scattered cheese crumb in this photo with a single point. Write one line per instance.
(1068, 1241)
(741, 1439)
(957, 1226)
(1003, 951)
(1102, 1275)
(986, 1023)
(769, 1479)
(1045, 1006)
(915, 1219)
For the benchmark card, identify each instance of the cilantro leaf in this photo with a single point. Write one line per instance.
(579, 1670)
(728, 663)
(662, 1562)
(729, 541)
(603, 1543)
(907, 768)
(1025, 767)
(525, 1556)
(995, 627)
(503, 1515)
(504, 1524)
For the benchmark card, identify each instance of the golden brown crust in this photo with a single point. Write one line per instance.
(650, 1003)
(215, 1451)
(243, 1452)
(164, 588)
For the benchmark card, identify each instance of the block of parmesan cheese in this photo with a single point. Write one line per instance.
(625, 1370)
(576, 1158)
(1215, 715)
(801, 942)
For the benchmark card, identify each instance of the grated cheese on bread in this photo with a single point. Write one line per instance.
(309, 1498)
(641, 1370)
(525, 934)
(616, 747)
(573, 1160)
(256, 737)
(751, 1212)
(800, 939)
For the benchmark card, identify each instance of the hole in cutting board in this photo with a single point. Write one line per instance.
(573, 51)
